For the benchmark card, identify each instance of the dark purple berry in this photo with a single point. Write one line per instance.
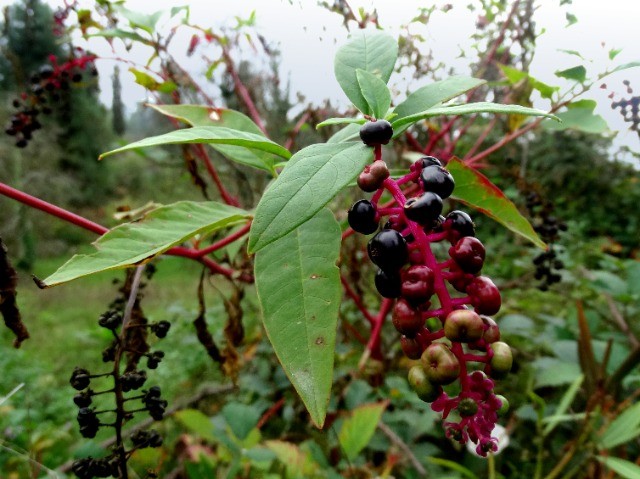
(411, 347)
(458, 224)
(388, 250)
(425, 209)
(406, 319)
(437, 180)
(417, 284)
(388, 283)
(485, 296)
(362, 217)
(374, 133)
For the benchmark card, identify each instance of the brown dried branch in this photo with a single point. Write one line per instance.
(8, 304)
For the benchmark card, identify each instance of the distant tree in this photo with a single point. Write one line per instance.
(117, 107)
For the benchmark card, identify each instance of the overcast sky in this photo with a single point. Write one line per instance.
(308, 35)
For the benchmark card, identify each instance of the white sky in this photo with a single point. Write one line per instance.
(308, 36)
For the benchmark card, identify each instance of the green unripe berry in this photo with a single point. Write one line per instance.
(463, 326)
(501, 361)
(504, 408)
(467, 407)
(440, 364)
(419, 382)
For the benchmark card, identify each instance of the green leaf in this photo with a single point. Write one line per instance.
(514, 76)
(130, 244)
(369, 50)
(340, 121)
(578, 74)
(375, 92)
(551, 372)
(565, 402)
(202, 115)
(358, 428)
(311, 179)
(626, 469)
(298, 285)
(470, 108)
(122, 34)
(348, 133)
(241, 418)
(614, 53)
(623, 429)
(571, 19)
(196, 422)
(298, 464)
(474, 189)
(151, 84)
(435, 93)
(580, 119)
(626, 66)
(140, 20)
(209, 135)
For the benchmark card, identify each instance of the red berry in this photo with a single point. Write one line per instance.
(406, 319)
(491, 331)
(417, 284)
(373, 176)
(468, 254)
(411, 347)
(464, 326)
(485, 296)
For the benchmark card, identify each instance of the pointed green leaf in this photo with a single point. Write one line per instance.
(357, 429)
(210, 135)
(133, 243)
(626, 469)
(614, 52)
(581, 119)
(140, 20)
(626, 66)
(370, 50)
(311, 179)
(202, 115)
(623, 429)
(340, 121)
(298, 285)
(475, 189)
(298, 463)
(563, 406)
(348, 133)
(470, 108)
(375, 92)
(578, 74)
(122, 34)
(435, 93)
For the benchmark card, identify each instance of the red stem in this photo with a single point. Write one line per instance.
(270, 412)
(357, 300)
(204, 156)
(224, 241)
(373, 346)
(296, 130)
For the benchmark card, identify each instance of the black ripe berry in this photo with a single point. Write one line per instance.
(425, 209)
(388, 284)
(362, 217)
(428, 161)
(374, 133)
(437, 180)
(458, 224)
(388, 250)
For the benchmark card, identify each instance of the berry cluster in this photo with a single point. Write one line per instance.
(548, 228)
(448, 336)
(133, 379)
(46, 90)
(629, 108)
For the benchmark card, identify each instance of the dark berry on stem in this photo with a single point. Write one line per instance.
(388, 250)
(485, 296)
(426, 161)
(469, 254)
(424, 209)
(373, 176)
(388, 283)
(458, 224)
(374, 133)
(362, 217)
(406, 319)
(80, 379)
(437, 180)
(417, 284)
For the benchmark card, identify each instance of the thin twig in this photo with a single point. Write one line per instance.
(400, 444)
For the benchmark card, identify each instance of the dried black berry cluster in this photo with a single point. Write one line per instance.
(46, 90)
(126, 388)
(549, 228)
(629, 108)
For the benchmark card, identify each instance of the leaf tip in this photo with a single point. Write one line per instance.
(39, 283)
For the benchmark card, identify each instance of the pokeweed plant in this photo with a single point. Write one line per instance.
(296, 239)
